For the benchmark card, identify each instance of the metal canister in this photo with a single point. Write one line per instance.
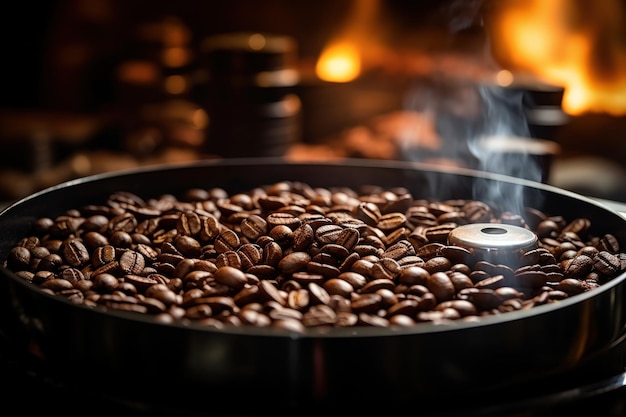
(250, 98)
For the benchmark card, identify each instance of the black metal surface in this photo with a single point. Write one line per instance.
(128, 356)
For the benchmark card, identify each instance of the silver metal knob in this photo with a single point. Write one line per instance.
(494, 242)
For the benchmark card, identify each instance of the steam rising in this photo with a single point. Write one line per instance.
(482, 127)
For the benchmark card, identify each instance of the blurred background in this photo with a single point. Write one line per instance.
(534, 89)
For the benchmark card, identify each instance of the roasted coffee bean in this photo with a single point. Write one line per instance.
(72, 275)
(120, 239)
(291, 256)
(399, 201)
(250, 255)
(269, 292)
(413, 275)
(333, 252)
(391, 221)
(303, 237)
(141, 282)
(376, 285)
(579, 226)
(458, 255)
(282, 219)
(430, 250)
(373, 320)
(318, 294)
(298, 299)
(437, 264)
(477, 212)
(407, 307)
(460, 280)
(609, 243)
(606, 263)
(282, 234)
(399, 250)
(367, 249)
(75, 252)
(484, 299)
(231, 277)
(189, 223)
(439, 233)
(345, 319)
(367, 303)
(218, 304)
(319, 315)
(339, 287)
(368, 212)
(385, 268)
(57, 285)
(227, 240)
(512, 218)
(547, 228)
(328, 233)
(356, 280)
(441, 286)
(105, 282)
(132, 262)
(50, 263)
(531, 278)
(18, 258)
(348, 237)
(463, 307)
(540, 256)
(409, 261)
(294, 262)
(492, 282)
(571, 286)
(210, 228)
(325, 270)
(578, 267)
(188, 246)
(418, 238)
(94, 239)
(304, 278)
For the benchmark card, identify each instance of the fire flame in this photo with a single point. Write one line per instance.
(340, 62)
(342, 59)
(574, 44)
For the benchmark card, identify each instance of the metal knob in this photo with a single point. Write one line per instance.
(494, 242)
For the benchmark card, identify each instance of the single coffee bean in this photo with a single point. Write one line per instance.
(75, 252)
(441, 286)
(231, 276)
(578, 267)
(606, 263)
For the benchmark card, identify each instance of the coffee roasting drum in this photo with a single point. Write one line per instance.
(273, 369)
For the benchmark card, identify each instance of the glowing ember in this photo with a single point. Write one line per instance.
(576, 45)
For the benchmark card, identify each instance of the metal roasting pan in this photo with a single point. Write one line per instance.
(259, 370)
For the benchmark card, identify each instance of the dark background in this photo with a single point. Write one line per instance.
(59, 57)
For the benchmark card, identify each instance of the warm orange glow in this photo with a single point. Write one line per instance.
(343, 58)
(576, 45)
(504, 78)
(339, 63)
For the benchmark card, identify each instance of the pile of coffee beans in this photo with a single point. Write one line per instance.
(293, 256)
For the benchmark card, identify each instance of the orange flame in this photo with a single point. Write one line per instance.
(574, 44)
(339, 62)
(342, 59)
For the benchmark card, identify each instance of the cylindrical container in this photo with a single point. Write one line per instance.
(250, 99)
(542, 107)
